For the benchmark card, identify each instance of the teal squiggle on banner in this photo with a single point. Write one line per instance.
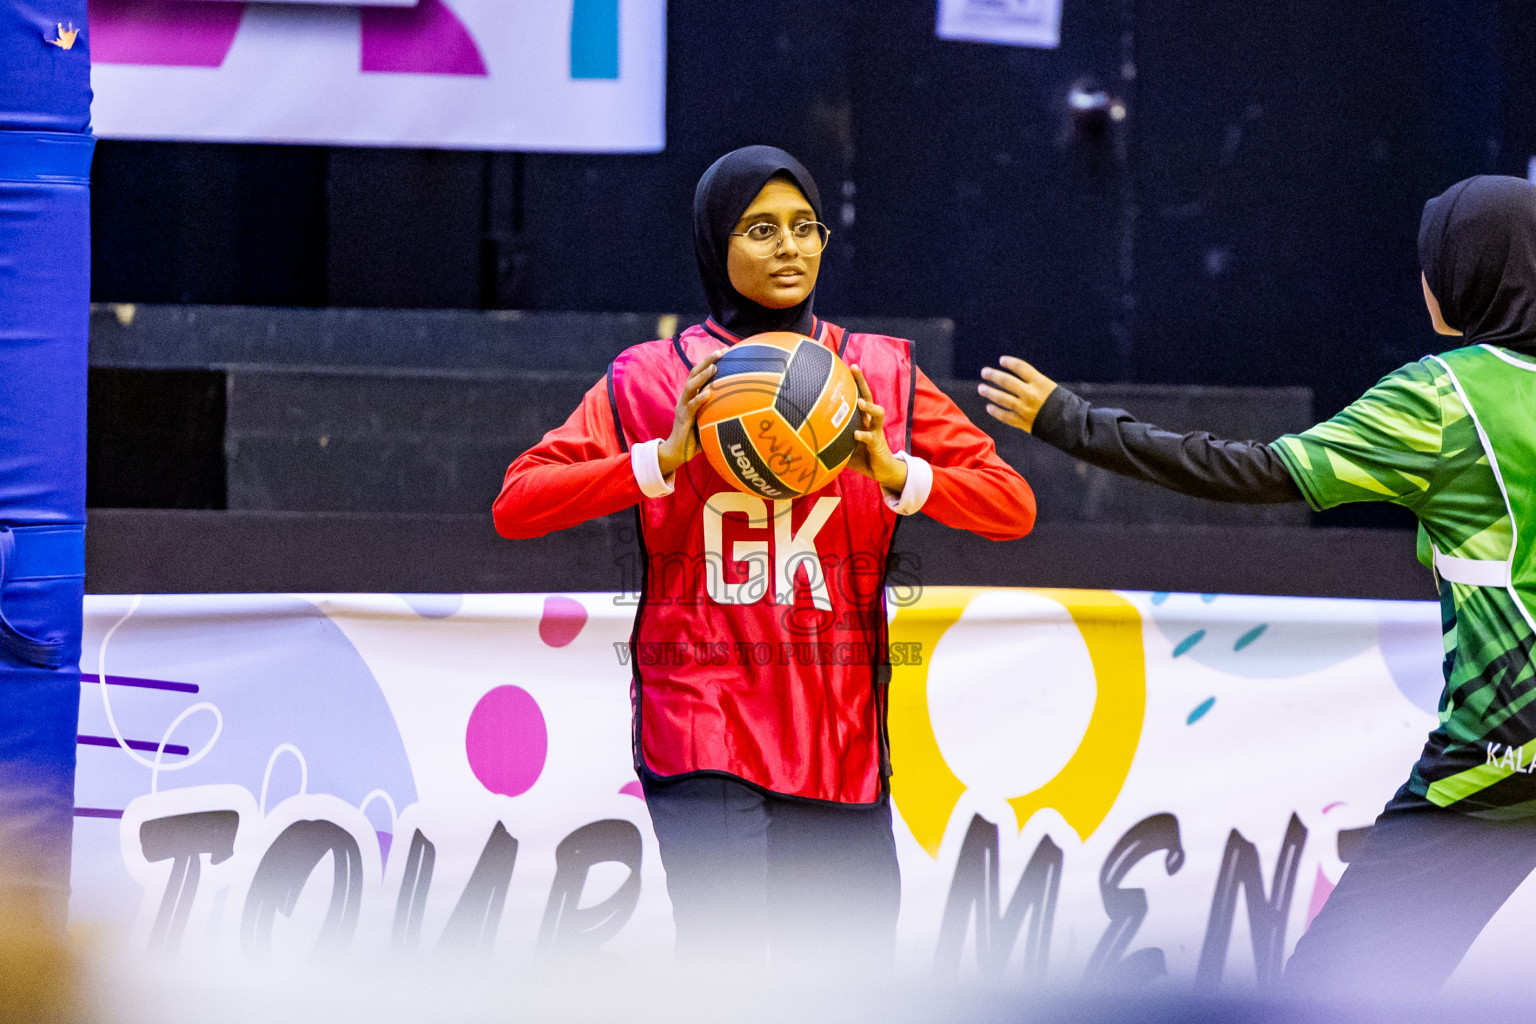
(1242, 636)
(1275, 638)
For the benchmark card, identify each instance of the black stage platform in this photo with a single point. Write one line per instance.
(172, 551)
(260, 449)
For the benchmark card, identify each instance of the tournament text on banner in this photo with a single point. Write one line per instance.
(550, 75)
(1088, 784)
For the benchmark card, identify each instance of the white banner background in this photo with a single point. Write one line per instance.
(452, 715)
(477, 74)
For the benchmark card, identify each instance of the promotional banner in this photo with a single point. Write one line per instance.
(1115, 787)
(559, 75)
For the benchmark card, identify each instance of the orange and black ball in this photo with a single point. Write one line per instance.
(781, 418)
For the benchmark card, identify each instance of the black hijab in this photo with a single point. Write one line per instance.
(1477, 245)
(724, 193)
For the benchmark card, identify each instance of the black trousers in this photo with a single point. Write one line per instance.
(1411, 903)
(756, 878)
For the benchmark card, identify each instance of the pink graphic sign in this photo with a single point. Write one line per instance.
(174, 33)
(423, 38)
(335, 3)
(426, 40)
(552, 75)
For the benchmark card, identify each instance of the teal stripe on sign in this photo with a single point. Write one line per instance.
(595, 39)
(1188, 642)
(1200, 710)
(1250, 636)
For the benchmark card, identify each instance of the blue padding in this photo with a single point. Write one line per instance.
(45, 271)
(44, 86)
(46, 157)
(46, 552)
(45, 290)
(21, 645)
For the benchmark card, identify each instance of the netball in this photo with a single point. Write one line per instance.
(781, 418)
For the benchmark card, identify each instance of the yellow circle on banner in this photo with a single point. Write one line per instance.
(924, 787)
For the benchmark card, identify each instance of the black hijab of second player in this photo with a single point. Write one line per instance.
(724, 193)
(1477, 246)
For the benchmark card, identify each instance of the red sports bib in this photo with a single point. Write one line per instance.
(759, 647)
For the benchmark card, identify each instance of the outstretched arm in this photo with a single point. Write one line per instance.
(1193, 463)
(971, 487)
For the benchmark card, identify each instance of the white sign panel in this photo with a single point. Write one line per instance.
(1014, 22)
(550, 75)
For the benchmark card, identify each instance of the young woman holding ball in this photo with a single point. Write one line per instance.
(765, 778)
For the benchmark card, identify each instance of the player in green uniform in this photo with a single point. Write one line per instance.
(1453, 438)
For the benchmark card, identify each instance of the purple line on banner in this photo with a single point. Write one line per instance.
(97, 812)
(108, 741)
(428, 39)
(149, 684)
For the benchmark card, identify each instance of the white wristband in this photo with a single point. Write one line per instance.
(915, 493)
(645, 460)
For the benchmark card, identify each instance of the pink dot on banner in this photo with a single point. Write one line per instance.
(506, 741)
(632, 789)
(562, 620)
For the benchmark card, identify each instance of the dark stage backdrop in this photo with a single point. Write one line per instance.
(1251, 220)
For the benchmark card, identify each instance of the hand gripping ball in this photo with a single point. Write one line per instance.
(781, 417)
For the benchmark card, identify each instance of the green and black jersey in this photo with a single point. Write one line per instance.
(1411, 440)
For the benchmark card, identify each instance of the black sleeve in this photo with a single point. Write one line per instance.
(1194, 463)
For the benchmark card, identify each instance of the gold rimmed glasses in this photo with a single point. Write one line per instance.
(764, 239)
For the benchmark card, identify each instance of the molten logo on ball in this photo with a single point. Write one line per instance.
(780, 422)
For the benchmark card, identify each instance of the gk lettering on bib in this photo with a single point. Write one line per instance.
(793, 551)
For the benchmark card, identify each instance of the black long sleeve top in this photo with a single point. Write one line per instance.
(1194, 463)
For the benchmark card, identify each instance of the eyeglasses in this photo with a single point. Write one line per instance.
(764, 240)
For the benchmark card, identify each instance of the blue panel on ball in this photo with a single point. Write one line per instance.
(803, 382)
(751, 359)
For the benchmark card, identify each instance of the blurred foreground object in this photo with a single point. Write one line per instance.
(39, 980)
